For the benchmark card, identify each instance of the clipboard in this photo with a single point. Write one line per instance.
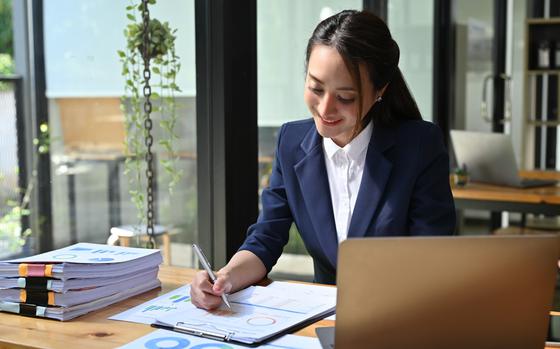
(225, 335)
(257, 314)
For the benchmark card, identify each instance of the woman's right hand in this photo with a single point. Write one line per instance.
(206, 295)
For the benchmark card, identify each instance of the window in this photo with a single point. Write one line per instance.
(90, 191)
(411, 24)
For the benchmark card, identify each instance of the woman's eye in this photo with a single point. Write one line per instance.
(346, 100)
(315, 90)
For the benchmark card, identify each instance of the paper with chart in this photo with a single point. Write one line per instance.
(258, 313)
(166, 339)
(175, 301)
(88, 253)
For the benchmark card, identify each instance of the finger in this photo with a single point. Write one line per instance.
(207, 301)
(202, 295)
(222, 285)
(202, 282)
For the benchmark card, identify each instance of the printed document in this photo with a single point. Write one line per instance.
(257, 313)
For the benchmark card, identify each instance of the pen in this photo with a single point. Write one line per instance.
(206, 265)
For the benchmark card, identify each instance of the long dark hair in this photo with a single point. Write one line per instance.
(361, 37)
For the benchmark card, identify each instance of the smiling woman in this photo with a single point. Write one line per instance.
(364, 165)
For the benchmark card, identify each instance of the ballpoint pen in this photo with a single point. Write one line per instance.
(206, 265)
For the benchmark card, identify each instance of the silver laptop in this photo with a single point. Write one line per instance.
(459, 292)
(489, 158)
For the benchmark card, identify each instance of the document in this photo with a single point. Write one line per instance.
(63, 286)
(174, 302)
(257, 313)
(67, 313)
(166, 339)
(82, 260)
(76, 296)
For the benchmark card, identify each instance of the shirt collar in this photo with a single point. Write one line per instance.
(352, 149)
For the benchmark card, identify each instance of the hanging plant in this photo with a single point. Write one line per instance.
(164, 67)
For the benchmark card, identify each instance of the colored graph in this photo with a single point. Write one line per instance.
(180, 298)
(101, 259)
(261, 321)
(65, 256)
(162, 308)
(181, 343)
(167, 342)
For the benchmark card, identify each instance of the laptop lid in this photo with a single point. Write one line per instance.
(445, 292)
(489, 157)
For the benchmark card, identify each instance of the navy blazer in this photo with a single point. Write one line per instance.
(404, 191)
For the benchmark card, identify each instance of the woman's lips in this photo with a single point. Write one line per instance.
(330, 122)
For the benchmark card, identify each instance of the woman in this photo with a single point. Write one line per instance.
(364, 165)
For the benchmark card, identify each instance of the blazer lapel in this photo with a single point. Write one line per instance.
(377, 170)
(311, 173)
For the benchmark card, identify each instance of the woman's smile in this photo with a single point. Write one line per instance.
(330, 122)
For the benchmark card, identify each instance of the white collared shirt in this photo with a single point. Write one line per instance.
(345, 167)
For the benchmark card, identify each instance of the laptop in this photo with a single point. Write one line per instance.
(489, 158)
(460, 292)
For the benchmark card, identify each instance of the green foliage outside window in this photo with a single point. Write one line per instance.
(6, 32)
(11, 235)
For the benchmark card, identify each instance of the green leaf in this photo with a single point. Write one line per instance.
(121, 54)
(131, 17)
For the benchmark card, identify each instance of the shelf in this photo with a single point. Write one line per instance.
(543, 123)
(551, 20)
(543, 71)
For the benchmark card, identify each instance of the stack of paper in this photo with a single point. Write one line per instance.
(77, 279)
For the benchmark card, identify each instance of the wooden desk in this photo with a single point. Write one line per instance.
(543, 200)
(94, 330)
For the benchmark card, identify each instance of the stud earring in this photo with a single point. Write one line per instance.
(379, 99)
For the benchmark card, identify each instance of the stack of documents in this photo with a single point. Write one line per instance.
(77, 279)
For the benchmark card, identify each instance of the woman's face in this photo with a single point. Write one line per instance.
(332, 97)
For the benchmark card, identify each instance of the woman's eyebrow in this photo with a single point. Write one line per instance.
(315, 78)
(344, 88)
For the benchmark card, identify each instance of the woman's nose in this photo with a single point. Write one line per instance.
(327, 104)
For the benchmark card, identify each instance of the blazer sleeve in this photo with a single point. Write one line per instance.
(432, 210)
(268, 236)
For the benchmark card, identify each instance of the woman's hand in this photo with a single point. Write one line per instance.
(244, 269)
(206, 295)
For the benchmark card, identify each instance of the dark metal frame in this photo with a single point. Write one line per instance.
(227, 133)
(499, 69)
(44, 197)
(30, 64)
(499, 66)
(443, 96)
